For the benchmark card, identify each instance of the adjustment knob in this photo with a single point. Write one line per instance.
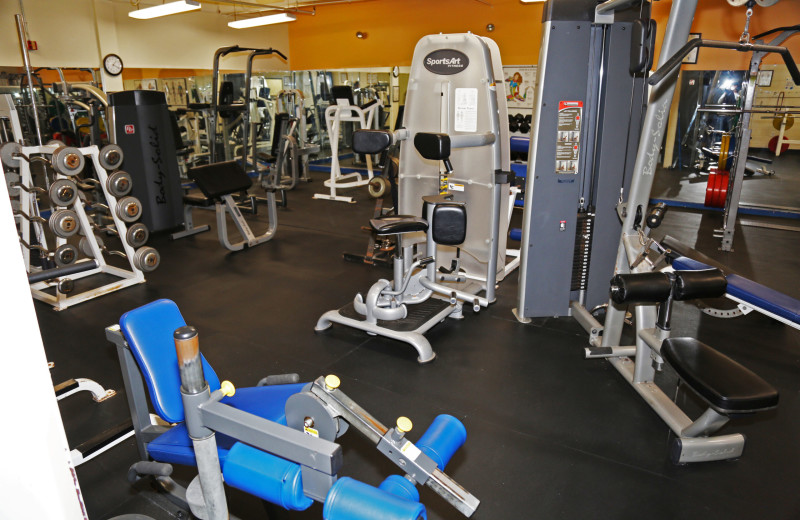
(404, 424)
(227, 388)
(332, 382)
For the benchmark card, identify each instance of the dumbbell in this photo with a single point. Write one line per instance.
(111, 157)
(519, 118)
(119, 183)
(146, 259)
(67, 160)
(524, 127)
(513, 126)
(137, 235)
(129, 209)
(64, 223)
(65, 255)
(63, 192)
(8, 154)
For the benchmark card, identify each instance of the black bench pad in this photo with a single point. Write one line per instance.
(398, 224)
(725, 384)
(196, 199)
(219, 179)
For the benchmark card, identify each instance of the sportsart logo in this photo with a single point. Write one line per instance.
(446, 61)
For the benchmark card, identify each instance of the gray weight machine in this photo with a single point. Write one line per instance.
(454, 162)
(590, 98)
(642, 281)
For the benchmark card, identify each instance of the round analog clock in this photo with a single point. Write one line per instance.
(112, 64)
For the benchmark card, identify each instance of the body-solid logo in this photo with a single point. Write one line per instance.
(129, 129)
(446, 61)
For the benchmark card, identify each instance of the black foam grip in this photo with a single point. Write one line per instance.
(656, 215)
(640, 287)
(708, 283)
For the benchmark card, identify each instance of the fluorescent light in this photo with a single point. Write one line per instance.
(165, 9)
(532, 1)
(262, 20)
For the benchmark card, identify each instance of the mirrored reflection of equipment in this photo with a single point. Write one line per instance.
(336, 117)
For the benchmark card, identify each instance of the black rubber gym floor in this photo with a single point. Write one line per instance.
(550, 435)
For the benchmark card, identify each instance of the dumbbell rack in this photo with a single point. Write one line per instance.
(128, 277)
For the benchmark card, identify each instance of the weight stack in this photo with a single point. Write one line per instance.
(143, 130)
(583, 252)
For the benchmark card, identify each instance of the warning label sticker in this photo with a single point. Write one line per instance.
(466, 116)
(570, 118)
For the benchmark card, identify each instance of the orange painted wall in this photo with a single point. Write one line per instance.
(328, 40)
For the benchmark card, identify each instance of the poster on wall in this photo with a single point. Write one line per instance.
(520, 85)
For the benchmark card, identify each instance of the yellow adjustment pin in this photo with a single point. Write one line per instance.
(227, 388)
(332, 382)
(404, 424)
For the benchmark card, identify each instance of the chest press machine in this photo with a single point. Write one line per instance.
(458, 165)
(728, 388)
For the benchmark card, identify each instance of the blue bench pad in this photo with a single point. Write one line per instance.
(751, 292)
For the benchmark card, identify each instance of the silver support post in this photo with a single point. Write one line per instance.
(194, 389)
(655, 123)
(23, 43)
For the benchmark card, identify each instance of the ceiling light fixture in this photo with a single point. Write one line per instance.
(262, 20)
(165, 9)
(532, 1)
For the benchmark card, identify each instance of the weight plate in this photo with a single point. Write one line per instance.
(65, 255)
(63, 192)
(111, 157)
(137, 235)
(721, 189)
(377, 187)
(64, 223)
(119, 183)
(129, 209)
(777, 120)
(68, 161)
(66, 285)
(7, 152)
(737, 3)
(712, 178)
(85, 246)
(146, 259)
(766, 3)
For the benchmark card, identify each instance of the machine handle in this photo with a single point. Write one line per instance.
(675, 61)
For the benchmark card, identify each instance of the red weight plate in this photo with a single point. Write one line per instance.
(773, 145)
(721, 189)
(712, 179)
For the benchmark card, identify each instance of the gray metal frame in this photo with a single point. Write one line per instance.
(570, 221)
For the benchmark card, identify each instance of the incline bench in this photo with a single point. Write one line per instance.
(749, 295)
(218, 182)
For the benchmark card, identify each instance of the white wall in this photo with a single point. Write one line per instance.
(67, 36)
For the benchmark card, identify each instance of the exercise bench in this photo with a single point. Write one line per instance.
(218, 183)
(728, 388)
(748, 295)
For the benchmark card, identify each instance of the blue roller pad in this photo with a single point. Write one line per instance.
(442, 439)
(751, 292)
(400, 487)
(266, 476)
(350, 499)
(515, 234)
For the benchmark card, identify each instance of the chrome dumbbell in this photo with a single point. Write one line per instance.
(63, 192)
(119, 183)
(129, 209)
(9, 154)
(65, 255)
(137, 235)
(67, 160)
(64, 223)
(146, 259)
(111, 157)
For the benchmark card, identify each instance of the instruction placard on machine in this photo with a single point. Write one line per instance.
(570, 117)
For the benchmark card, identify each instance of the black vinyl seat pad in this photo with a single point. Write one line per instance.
(398, 224)
(725, 384)
(219, 179)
